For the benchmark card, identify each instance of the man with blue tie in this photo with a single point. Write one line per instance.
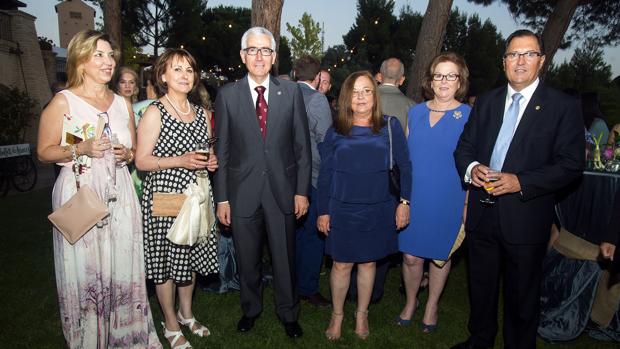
(533, 136)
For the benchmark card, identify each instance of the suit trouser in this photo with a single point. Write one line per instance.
(310, 250)
(248, 238)
(489, 256)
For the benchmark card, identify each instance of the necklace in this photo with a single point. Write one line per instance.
(440, 111)
(177, 108)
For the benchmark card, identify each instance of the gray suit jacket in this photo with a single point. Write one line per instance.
(395, 103)
(245, 159)
(319, 120)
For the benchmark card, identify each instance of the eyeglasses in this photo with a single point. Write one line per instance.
(253, 51)
(529, 55)
(449, 77)
(365, 92)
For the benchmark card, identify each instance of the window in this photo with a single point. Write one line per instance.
(75, 15)
(5, 27)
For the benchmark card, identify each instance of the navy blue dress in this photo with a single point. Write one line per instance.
(353, 189)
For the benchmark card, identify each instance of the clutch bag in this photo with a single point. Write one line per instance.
(167, 204)
(79, 214)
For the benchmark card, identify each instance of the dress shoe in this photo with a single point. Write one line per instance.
(293, 329)
(317, 299)
(467, 345)
(245, 324)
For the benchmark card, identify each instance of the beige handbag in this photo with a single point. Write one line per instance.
(78, 215)
(167, 204)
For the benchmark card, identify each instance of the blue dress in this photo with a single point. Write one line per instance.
(438, 194)
(353, 189)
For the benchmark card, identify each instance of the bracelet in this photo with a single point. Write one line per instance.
(404, 202)
(158, 167)
(73, 149)
(131, 155)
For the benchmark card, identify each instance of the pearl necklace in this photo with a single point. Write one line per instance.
(177, 108)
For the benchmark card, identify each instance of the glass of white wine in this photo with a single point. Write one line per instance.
(488, 186)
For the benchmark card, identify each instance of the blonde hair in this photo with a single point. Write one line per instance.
(126, 70)
(79, 51)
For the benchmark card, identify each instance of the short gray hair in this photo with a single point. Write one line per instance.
(392, 71)
(257, 31)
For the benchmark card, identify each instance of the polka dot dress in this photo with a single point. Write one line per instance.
(165, 260)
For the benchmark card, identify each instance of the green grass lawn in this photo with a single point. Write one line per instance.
(30, 319)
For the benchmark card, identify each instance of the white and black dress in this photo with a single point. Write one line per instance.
(165, 260)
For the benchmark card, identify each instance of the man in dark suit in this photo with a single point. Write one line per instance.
(263, 176)
(310, 243)
(533, 134)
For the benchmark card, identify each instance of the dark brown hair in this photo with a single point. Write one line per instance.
(451, 57)
(344, 121)
(306, 68)
(165, 60)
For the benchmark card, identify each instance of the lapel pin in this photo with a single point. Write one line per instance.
(279, 93)
(537, 107)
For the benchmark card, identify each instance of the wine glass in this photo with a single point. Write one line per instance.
(488, 186)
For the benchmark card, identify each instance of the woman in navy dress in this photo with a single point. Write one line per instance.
(356, 210)
(438, 196)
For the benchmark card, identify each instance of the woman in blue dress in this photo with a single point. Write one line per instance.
(438, 194)
(356, 210)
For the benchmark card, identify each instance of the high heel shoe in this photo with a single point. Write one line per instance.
(200, 331)
(333, 336)
(362, 335)
(173, 337)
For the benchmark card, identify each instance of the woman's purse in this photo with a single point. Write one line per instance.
(80, 213)
(394, 173)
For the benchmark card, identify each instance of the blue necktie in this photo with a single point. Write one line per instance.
(505, 133)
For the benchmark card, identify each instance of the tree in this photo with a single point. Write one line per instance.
(223, 28)
(592, 20)
(187, 27)
(306, 37)
(147, 22)
(285, 64)
(370, 38)
(112, 20)
(267, 13)
(429, 43)
(586, 71)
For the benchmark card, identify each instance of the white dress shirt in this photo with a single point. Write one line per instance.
(253, 84)
(527, 94)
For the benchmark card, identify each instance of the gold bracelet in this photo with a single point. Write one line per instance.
(158, 167)
(131, 155)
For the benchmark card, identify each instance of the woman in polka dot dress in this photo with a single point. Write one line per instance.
(167, 137)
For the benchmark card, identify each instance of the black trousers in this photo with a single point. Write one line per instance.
(248, 235)
(490, 256)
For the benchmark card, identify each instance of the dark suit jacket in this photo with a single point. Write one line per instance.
(546, 154)
(245, 159)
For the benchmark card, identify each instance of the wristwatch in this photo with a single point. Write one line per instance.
(404, 202)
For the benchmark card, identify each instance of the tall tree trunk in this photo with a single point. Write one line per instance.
(429, 43)
(267, 13)
(112, 21)
(556, 27)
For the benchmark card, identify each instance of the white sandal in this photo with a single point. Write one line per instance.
(175, 335)
(201, 331)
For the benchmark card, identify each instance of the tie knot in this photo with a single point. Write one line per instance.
(517, 97)
(260, 89)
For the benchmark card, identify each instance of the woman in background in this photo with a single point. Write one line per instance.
(127, 84)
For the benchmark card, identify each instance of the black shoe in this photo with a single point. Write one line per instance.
(467, 345)
(293, 329)
(245, 324)
(317, 299)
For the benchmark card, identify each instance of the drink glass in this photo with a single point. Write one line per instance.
(488, 186)
(202, 148)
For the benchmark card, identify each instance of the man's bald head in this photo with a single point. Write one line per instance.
(392, 71)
